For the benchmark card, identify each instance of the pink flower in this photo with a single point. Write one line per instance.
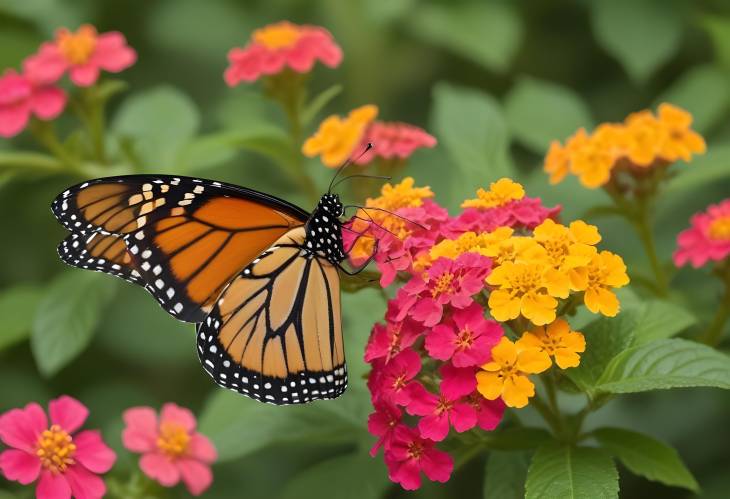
(20, 97)
(447, 281)
(707, 239)
(395, 141)
(489, 412)
(394, 381)
(439, 413)
(280, 45)
(525, 212)
(457, 381)
(389, 339)
(66, 462)
(382, 424)
(171, 448)
(409, 455)
(467, 339)
(83, 54)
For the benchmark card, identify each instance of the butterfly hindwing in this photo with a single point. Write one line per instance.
(274, 334)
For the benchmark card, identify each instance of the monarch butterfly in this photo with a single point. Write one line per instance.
(258, 275)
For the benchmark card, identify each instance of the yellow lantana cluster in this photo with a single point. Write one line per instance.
(500, 193)
(337, 137)
(506, 375)
(643, 140)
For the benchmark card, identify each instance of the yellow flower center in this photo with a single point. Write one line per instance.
(399, 382)
(528, 280)
(55, 449)
(720, 228)
(173, 440)
(465, 339)
(443, 284)
(77, 47)
(277, 36)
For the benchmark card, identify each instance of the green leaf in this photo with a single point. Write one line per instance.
(559, 470)
(706, 169)
(718, 28)
(17, 308)
(67, 316)
(605, 338)
(488, 33)
(663, 364)
(661, 319)
(160, 121)
(21, 160)
(505, 475)
(531, 100)
(645, 456)
(470, 126)
(690, 92)
(353, 476)
(518, 438)
(319, 102)
(239, 426)
(641, 35)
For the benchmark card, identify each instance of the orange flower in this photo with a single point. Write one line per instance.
(681, 142)
(337, 138)
(501, 192)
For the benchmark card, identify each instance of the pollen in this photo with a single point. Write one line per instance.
(77, 47)
(55, 449)
(720, 229)
(443, 284)
(173, 440)
(277, 36)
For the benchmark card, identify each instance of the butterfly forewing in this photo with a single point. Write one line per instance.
(274, 334)
(101, 252)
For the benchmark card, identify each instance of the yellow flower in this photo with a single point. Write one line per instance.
(528, 289)
(468, 242)
(557, 340)
(644, 137)
(604, 271)
(557, 162)
(592, 163)
(680, 141)
(506, 375)
(501, 192)
(336, 138)
(502, 247)
(558, 240)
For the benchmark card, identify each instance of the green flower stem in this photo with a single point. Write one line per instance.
(30, 160)
(713, 335)
(547, 414)
(91, 112)
(45, 133)
(643, 228)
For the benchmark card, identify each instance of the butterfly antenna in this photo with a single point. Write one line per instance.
(348, 163)
(358, 175)
(366, 208)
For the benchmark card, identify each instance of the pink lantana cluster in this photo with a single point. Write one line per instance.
(392, 141)
(708, 239)
(426, 354)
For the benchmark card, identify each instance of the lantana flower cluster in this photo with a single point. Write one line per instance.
(67, 461)
(708, 238)
(440, 363)
(643, 142)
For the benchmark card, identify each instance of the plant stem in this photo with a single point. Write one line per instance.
(547, 414)
(45, 134)
(643, 228)
(713, 335)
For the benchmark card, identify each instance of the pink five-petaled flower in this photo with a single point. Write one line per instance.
(439, 412)
(171, 448)
(67, 462)
(393, 141)
(83, 54)
(387, 340)
(409, 454)
(446, 282)
(489, 412)
(280, 45)
(707, 239)
(382, 424)
(467, 338)
(20, 97)
(394, 382)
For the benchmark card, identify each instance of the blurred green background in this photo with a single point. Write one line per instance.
(494, 81)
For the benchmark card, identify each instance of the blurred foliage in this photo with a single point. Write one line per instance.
(495, 82)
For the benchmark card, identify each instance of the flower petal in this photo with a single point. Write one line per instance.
(196, 475)
(20, 428)
(158, 467)
(202, 449)
(84, 75)
(20, 466)
(53, 487)
(180, 415)
(93, 453)
(84, 484)
(140, 434)
(68, 413)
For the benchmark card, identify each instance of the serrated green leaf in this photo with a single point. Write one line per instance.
(559, 470)
(470, 126)
(17, 308)
(690, 92)
(488, 33)
(530, 100)
(660, 319)
(643, 455)
(505, 475)
(641, 35)
(664, 364)
(67, 316)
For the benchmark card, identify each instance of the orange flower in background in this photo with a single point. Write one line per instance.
(643, 140)
(278, 46)
(336, 138)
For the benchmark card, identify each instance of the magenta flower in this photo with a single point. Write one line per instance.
(83, 54)
(523, 213)
(457, 381)
(409, 455)
(467, 338)
(447, 281)
(393, 141)
(707, 239)
(278, 46)
(389, 339)
(439, 413)
(489, 412)
(394, 380)
(382, 424)
(64, 462)
(20, 98)
(171, 447)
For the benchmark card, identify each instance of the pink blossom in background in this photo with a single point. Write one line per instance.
(63, 460)
(278, 46)
(707, 239)
(410, 454)
(83, 54)
(21, 97)
(393, 141)
(171, 448)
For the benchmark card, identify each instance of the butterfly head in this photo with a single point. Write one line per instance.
(324, 229)
(330, 204)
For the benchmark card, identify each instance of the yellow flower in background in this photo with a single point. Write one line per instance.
(501, 192)
(592, 163)
(603, 272)
(681, 141)
(506, 375)
(557, 162)
(336, 137)
(558, 341)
